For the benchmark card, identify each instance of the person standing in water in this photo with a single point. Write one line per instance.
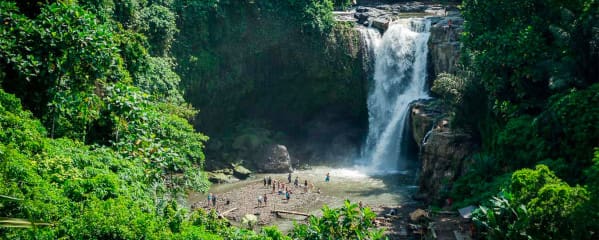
(289, 178)
(327, 178)
(214, 200)
(209, 198)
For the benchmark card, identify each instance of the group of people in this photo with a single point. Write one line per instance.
(283, 188)
(280, 187)
(212, 199)
(277, 186)
(262, 200)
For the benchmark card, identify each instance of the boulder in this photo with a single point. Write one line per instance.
(423, 114)
(219, 177)
(226, 171)
(435, 19)
(274, 158)
(366, 14)
(241, 172)
(418, 215)
(361, 9)
(381, 23)
(384, 7)
(362, 17)
(413, 8)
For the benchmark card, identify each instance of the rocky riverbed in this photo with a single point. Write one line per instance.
(394, 218)
(245, 201)
(381, 192)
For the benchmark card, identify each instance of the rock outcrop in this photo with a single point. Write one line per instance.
(241, 172)
(444, 45)
(220, 177)
(274, 159)
(376, 17)
(443, 150)
(381, 16)
(444, 159)
(423, 114)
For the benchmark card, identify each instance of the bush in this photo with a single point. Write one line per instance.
(347, 222)
(537, 205)
(449, 87)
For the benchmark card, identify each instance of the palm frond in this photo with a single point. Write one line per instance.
(19, 223)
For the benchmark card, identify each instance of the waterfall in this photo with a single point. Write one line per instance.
(400, 57)
(371, 39)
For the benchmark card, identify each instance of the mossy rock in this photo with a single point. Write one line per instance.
(226, 171)
(219, 177)
(241, 172)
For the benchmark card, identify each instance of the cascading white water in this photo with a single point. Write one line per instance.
(400, 57)
(372, 39)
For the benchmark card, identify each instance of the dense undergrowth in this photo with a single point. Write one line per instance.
(95, 139)
(529, 92)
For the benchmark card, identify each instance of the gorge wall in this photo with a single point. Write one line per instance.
(444, 45)
(443, 149)
(268, 73)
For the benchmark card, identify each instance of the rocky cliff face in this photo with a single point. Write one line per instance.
(444, 159)
(423, 114)
(443, 150)
(444, 45)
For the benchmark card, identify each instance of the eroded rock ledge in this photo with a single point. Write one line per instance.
(380, 16)
(443, 151)
(444, 45)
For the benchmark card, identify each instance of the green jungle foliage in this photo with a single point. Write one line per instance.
(528, 91)
(95, 139)
(538, 205)
(347, 222)
(68, 70)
